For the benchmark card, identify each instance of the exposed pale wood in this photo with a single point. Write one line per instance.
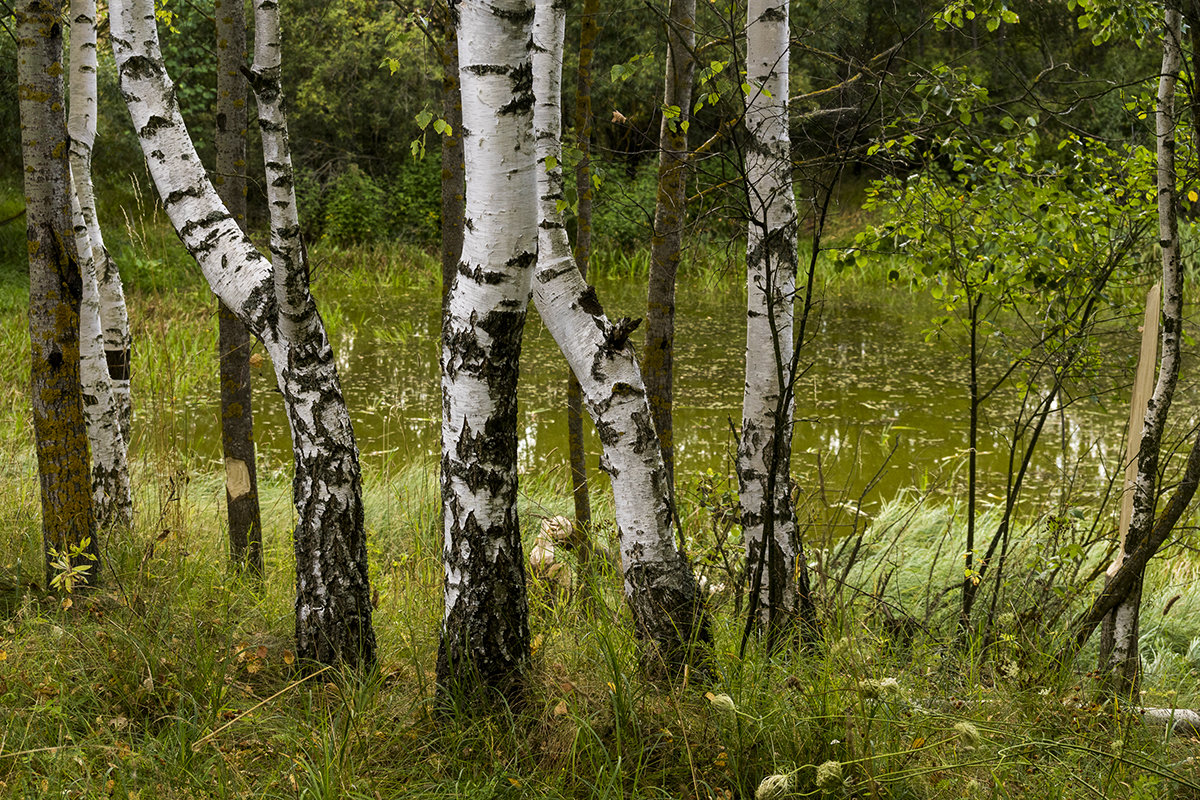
(1143, 385)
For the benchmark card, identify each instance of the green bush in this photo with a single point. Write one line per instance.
(414, 202)
(354, 209)
(623, 210)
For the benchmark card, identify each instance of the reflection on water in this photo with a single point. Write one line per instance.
(873, 383)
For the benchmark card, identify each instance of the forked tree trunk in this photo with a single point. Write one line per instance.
(659, 585)
(485, 626)
(237, 417)
(774, 553)
(114, 317)
(670, 212)
(589, 31)
(333, 598)
(1120, 660)
(55, 292)
(112, 502)
(105, 413)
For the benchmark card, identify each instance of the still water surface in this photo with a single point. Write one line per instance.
(873, 383)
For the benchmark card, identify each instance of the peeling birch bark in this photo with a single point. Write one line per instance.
(333, 604)
(55, 292)
(660, 588)
(774, 553)
(105, 406)
(485, 627)
(1120, 660)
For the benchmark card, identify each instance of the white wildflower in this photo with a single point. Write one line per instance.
(722, 703)
(968, 733)
(829, 775)
(884, 689)
(772, 787)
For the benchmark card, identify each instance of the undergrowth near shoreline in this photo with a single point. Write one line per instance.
(176, 680)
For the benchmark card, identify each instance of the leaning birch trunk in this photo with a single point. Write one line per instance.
(774, 553)
(106, 407)
(333, 603)
(485, 626)
(55, 292)
(81, 125)
(1119, 657)
(233, 340)
(659, 585)
(670, 213)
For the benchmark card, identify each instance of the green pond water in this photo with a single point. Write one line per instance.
(873, 383)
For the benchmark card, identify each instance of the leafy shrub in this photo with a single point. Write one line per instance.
(623, 208)
(414, 202)
(354, 209)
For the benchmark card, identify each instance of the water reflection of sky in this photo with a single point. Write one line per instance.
(873, 383)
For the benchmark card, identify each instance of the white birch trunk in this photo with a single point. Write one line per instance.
(81, 124)
(111, 497)
(774, 552)
(105, 407)
(333, 608)
(485, 626)
(1120, 660)
(659, 585)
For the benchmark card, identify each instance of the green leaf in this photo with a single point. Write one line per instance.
(423, 119)
(551, 163)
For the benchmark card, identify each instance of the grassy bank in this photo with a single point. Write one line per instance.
(176, 680)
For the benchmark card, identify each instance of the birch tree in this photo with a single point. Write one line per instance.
(670, 213)
(485, 625)
(1119, 657)
(55, 294)
(112, 502)
(658, 582)
(233, 340)
(81, 125)
(105, 398)
(774, 552)
(333, 604)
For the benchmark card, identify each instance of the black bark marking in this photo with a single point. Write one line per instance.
(154, 125)
(547, 275)
(180, 194)
(212, 218)
(590, 303)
